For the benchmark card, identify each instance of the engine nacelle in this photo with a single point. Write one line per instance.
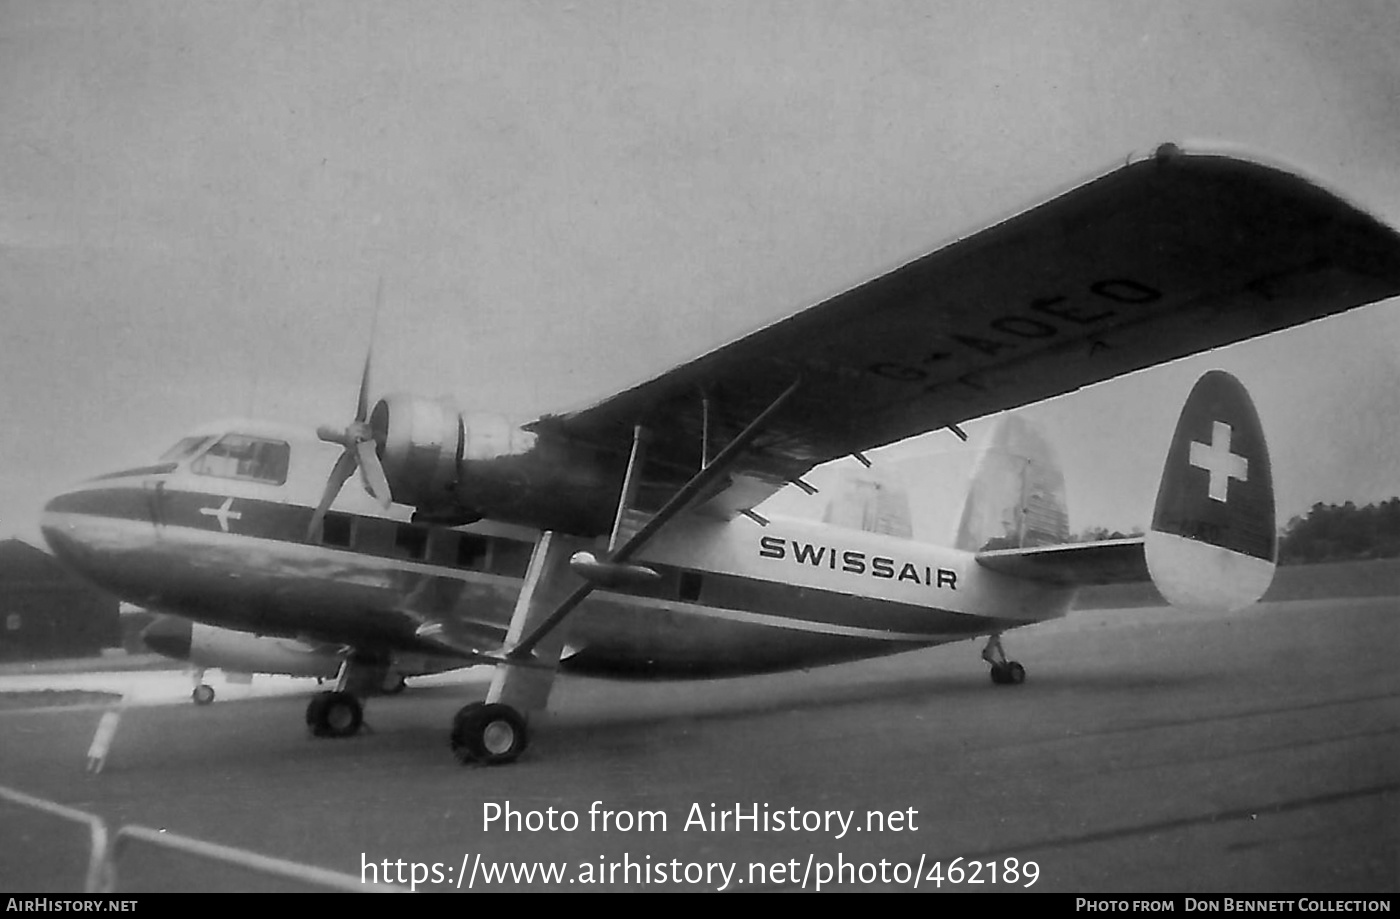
(420, 446)
(488, 437)
(230, 650)
(426, 447)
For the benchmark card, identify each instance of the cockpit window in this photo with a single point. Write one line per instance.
(239, 456)
(184, 448)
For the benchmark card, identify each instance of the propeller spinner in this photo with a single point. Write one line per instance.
(361, 450)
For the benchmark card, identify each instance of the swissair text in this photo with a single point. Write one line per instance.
(852, 562)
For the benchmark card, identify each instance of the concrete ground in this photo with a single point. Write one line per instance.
(1149, 750)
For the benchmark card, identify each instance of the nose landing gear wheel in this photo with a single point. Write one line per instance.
(203, 694)
(488, 733)
(334, 714)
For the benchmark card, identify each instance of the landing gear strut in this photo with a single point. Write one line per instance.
(341, 713)
(493, 732)
(489, 733)
(1004, 672)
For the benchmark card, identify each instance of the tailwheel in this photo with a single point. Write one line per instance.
(334, 714)
(1008, 674)
(488, 733)
(1004, 672)
(203, 694)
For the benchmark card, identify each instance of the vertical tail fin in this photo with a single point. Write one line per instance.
(871, 501)
(1213, 543)
(1017, 494)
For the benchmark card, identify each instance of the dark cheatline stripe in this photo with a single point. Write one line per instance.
(829, 607)
(281, 522)
(118, 503)
(174, 508)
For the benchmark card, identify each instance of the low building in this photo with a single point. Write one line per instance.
(46, 611)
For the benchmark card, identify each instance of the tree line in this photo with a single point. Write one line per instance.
(1327, 533)
(1339, 532)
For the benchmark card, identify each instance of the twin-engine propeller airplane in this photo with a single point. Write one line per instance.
(624, 538)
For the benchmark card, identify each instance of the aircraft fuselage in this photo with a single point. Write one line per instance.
(733, 596)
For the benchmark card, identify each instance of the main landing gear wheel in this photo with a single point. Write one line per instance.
(334, 714)
(1008, 674)
(488, 733)
(393, 684)
(203, 694)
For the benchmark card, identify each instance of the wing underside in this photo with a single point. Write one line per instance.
(1157, 260)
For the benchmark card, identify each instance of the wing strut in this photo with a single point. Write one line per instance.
(705, 430)
(630, 482)
(674, 506)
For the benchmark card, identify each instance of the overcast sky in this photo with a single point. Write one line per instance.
(196, 201)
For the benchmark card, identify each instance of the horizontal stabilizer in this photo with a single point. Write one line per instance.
(1114, 561)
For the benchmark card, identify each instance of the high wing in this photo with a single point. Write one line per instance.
(1162, 258)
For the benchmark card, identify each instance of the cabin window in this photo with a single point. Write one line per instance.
(689, 586)
(186, 447)
(442, 546)
(377, 536)
(239, 456)
(336, 530)
(411, 541)
(511, 558)
(473, 551)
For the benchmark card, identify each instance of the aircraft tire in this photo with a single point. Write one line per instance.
(461, 724)
(203, 694)
(1008, 674)
(393, 685)
(313, 710)
(334, 714)
(491, 734)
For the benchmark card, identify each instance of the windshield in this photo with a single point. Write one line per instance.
(241, 456)
(184, 448)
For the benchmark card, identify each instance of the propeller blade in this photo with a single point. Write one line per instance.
(344, 465)
(372, 473)
(362, 406)
(358, 441)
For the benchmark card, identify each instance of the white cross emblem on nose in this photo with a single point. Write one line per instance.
(1217, 459)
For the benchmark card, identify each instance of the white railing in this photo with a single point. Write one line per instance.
(100, 872)
(107, 849)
